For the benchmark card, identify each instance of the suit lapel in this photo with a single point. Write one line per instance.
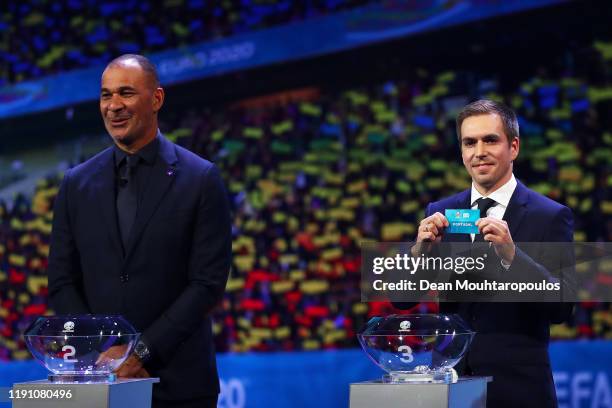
(104, 186)
(161, 178)
(517, 208)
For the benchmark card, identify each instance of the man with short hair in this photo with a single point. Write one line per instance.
(511, 343)
(143, 230)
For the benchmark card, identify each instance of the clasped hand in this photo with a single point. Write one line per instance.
(130, 368)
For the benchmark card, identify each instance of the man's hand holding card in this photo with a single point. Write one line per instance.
(467, 221)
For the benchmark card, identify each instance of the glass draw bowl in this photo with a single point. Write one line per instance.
(83, 348)
(416, 348)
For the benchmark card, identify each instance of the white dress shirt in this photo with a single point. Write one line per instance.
(502, 197)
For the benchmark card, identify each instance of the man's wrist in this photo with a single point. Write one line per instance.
(142, 351)
(506, 253)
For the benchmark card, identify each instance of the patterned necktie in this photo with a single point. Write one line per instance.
(127, 198)
(483, 205)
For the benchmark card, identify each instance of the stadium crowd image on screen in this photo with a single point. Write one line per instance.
(245, 183)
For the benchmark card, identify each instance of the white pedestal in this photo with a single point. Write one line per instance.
(468, 392)
(132, 393)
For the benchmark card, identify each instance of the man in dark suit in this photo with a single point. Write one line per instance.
(511, 343)
(143, 230)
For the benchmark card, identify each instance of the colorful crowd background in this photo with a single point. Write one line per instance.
(43, 37)
(313, 172)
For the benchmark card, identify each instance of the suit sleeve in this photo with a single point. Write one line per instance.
(65, 274)
(555, 264)
(209, 265)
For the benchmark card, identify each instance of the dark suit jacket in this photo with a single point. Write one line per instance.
(175, 266)
(511, 343)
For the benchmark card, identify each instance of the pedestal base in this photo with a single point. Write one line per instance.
(132, 393)
(468, 392)
(82, 378)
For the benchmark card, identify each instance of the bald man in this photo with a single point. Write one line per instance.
(143, 230)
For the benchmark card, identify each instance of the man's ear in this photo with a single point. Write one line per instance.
(515, 145)
(158, 99)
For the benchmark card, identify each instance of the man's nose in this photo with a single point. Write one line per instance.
(115, 103)
(480, 149)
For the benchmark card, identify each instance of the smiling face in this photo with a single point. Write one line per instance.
(486, 151)
(129, 102)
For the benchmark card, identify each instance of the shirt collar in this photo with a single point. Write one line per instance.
(502, 195)
(147, 153)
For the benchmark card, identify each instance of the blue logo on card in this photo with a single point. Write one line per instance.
(462, 221)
